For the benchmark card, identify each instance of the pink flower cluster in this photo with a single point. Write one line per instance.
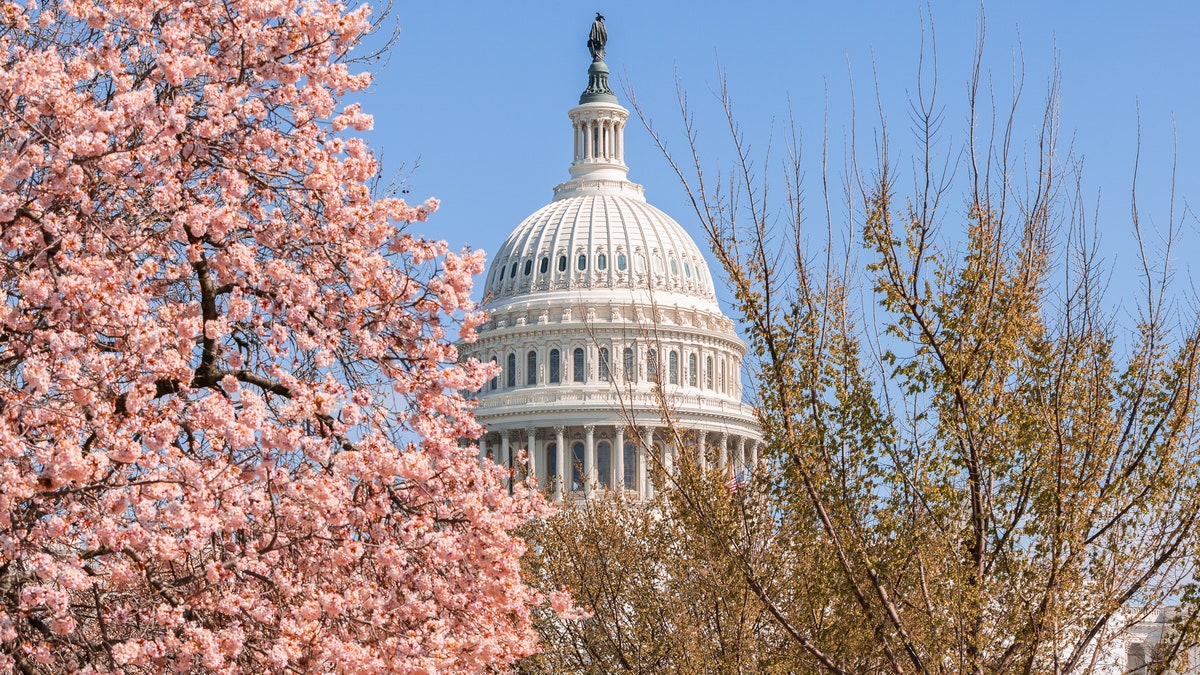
(230, 420)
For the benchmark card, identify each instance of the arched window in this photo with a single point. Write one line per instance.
(628, 372)
(721, 378)
(556, 366)
(691, 370)
(531, 368)
(604, 463)
(551, 464)
(510, 376)
(673, 367)
(562, 263)
(577, 465)
(528, 266)
(577, 364)
(639, 263)
(601, 262)
(708, 372)
(674, 268)
(495, 381)
(687, 269)
(621, 263)
(604, 369)
(651, 365)
(513, 272)
(502, 273)
(581, 262)
(658, 266)
(630, 476)
(544, 266)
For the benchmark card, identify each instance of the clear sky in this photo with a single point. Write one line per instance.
(474, 97)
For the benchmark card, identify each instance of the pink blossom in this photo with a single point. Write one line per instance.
(234, 418)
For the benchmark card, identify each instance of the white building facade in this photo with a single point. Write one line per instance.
(598, 302)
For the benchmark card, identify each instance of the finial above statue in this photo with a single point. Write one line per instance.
(598, 38)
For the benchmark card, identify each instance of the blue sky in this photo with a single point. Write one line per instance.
(474, 97)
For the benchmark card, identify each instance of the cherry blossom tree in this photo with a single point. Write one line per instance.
(229, 413)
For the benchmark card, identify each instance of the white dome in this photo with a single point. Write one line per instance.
(599, 240)
(599, 305)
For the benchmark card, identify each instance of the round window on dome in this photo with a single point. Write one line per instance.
(674, 268)
(601, 262)
(544, 266)
(687, 269)
(528, 267)
(581, 263)
(621, 262)
(562, 263)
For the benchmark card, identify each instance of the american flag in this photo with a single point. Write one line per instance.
(736, 483)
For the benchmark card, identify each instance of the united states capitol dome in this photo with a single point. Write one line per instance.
(601, 310)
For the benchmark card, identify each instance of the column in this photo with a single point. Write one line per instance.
(589, 458)
(701, 459)
(619, 461)
(741, 453)
(559, 463)
(640, 473)
(754, 455)
(649, 486)
(668, 455)
(723, 459)
(531, 449)
(482, 449)
(505, 458)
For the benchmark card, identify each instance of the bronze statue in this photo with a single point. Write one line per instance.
(598, 38)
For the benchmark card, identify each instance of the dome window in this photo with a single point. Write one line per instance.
(562, 263)
(627, 370)
(658, 266)
(528, 266)
(691, 370)
(577, 365)
(502, 273)
(603, 463)
(687, 269)
(651, 365)
(577, 465)
(512, 273)
(601, 262)
(531, 368)
(511, 376)
(545, 265)
(673, 367)
(556, 366)
(604, 368)
(581, 263)
(639, 263)
(621, 262)
(674, 268)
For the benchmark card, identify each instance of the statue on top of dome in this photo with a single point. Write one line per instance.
(598, 38)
